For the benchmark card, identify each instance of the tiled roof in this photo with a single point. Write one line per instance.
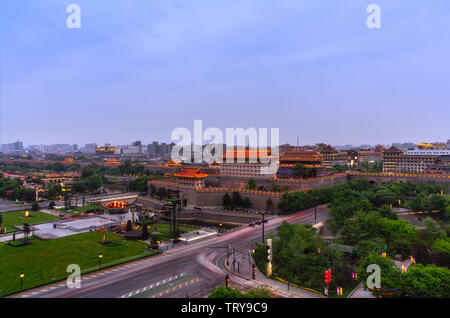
(190, 173)
(247, 154)
(393, 150)
(300, 155)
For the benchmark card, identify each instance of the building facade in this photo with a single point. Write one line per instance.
(396, 160)
(247, 163)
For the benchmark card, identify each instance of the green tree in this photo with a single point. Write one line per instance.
(35, 206)
(259, 293)
(390, 275)
(346, 203)
(429, 281)
(299, 170)
(252, 184)
(386, 211)
(296, 257)
(432, 230)
(247, 203)
(269, 205)
(223, 292)
(226, 201)
(439, 203)
(236, 199)
(144, 232)
(152, 190)
(129, 226)
(54, 191)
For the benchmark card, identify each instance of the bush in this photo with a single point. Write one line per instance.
(35, 206)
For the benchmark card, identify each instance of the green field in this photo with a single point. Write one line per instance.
(18, 218)
(46, 261)
(80, 210)
(164, 229)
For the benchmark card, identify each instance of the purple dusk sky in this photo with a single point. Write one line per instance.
(136, 70)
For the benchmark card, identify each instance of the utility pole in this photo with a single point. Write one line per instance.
(315, 211)
(315, 214)
(263, 228)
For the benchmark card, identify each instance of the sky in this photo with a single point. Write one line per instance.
(138, 69)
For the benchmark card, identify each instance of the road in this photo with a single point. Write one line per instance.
(189, 271)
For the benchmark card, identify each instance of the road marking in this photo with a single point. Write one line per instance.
(168, 291)
(152, 286)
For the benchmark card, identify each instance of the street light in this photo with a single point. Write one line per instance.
(100, 256)
(21, 275)
(262, 223)
(315, 210)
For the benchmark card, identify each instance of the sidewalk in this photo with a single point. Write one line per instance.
(9, 237)
(48, 211)
(243, 263)
(359, 292)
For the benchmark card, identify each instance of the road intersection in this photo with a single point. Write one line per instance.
(202, 262)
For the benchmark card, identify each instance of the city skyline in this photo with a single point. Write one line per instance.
(314, 70)
(81, 145)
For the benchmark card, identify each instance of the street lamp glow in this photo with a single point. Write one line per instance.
(21, 275)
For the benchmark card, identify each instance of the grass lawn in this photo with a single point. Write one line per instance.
(80, 210)
(18, 218)
(46, 261)
(164, 229)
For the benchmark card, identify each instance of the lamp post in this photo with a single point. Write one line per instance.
(100, 256)
(315, 210)
(21, 275)
(263, 227)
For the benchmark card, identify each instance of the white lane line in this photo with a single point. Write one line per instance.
(152, 286)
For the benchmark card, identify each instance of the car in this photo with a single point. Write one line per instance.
(258, 222)
(251, 225)
(265, 221)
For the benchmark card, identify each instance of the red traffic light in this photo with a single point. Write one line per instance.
(328, 277)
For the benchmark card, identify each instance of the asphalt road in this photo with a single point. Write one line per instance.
(190, 271)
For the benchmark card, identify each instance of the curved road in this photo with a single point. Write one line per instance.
(190, 271)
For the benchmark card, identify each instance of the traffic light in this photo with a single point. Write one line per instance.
(253, 271)
(328, 277)
(269, 257)
(227, 281)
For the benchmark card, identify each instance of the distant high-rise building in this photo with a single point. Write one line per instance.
(89, 148)
(153, 149)
(13, 148)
